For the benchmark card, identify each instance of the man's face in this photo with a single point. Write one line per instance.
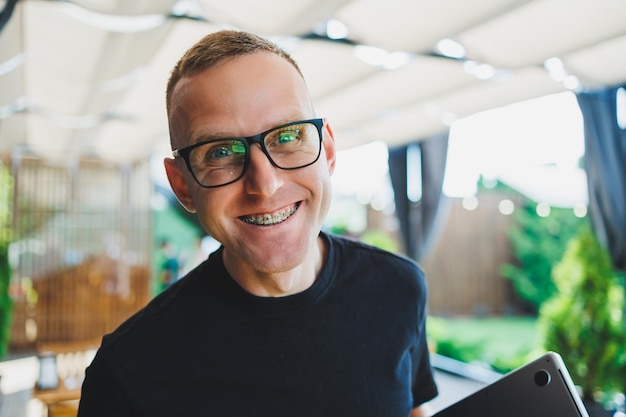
(240, 97)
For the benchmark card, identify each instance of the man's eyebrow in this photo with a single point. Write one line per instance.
(203, 137)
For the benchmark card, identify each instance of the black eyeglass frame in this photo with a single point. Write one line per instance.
(248, 141)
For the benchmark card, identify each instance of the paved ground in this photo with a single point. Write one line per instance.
(452, 388)
(456, 380)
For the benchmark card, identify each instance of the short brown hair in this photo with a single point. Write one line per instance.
(216, 47)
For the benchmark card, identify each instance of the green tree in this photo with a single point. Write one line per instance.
(583, 321)
(6, 192)
(538, 244)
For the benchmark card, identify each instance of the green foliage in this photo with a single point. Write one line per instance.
(6, 192)
(583, 321)
(502, 343)
(5, 300)
(450, 344)
(379, 239)
(538, 244)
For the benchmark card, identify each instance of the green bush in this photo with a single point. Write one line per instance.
(6, 190)
(502, 343)
(583, 321)
(538, 244)
(447, 344)
(5, 301)
(379, 239)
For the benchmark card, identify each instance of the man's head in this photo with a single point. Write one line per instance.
(229, 90)
(216, 48)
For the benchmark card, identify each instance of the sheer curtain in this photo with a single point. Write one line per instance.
(417, 171)
(605, 164)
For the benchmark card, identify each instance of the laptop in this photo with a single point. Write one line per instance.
(541, 388)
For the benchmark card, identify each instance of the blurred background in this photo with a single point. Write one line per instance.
(483, 139)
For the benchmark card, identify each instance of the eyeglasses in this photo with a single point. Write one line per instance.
(218, 162)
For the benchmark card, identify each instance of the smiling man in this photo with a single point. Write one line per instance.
(283, 319)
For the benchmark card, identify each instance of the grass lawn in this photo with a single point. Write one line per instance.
(501, 342)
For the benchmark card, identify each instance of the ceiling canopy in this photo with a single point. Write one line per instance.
(86, 78)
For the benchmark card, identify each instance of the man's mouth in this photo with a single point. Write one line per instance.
(269, 219)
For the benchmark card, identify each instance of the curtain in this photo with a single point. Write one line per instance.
(605, 164)
(417, 171)
(6, 13)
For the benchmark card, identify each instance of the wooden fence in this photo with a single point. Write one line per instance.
(463, 267)
(80, 252)
(84, 302)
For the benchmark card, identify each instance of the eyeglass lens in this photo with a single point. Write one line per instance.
(220, 162)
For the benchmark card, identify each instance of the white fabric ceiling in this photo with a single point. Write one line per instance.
(86, 77)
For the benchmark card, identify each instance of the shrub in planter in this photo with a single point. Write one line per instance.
(5, 301)
(6, 192)
(583, 321)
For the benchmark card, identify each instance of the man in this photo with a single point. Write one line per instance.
(283, 319)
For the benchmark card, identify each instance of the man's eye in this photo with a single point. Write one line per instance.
(288, 136)
(225, 151)
(219, 153)
(238, 148)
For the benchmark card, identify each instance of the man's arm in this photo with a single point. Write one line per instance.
(101, 396)
(420, 411)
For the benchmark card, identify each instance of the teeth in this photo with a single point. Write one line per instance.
(269, 219)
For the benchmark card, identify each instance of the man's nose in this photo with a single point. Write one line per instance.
(262, 178)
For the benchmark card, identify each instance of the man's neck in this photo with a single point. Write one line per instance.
(278, 284)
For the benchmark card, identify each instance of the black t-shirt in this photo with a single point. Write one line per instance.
(353, 344)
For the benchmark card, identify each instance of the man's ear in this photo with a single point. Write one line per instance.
(329, 147)
(179, 184)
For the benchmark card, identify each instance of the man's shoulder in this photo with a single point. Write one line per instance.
(369, 272)
(154, 320)
(143, 318)
(379, 267)
(356, 249)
